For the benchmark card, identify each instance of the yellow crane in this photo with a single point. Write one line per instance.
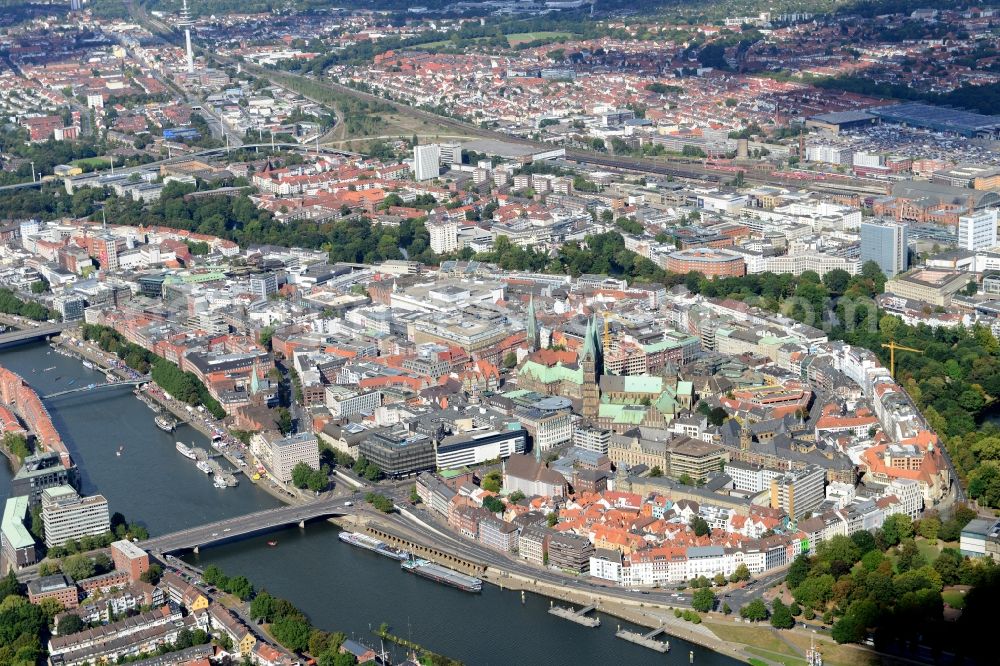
(892, 347)
(606, 337)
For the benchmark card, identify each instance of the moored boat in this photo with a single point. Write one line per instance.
(203, 466)
(164, 423)
(374, 545)
(443, 575)
(186, 451)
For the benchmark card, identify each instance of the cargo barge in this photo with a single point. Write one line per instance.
(440, 574)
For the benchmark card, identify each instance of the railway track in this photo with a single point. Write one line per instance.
(675, 169)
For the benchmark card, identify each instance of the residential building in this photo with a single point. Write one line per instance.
(533, 544)
(498, 534)
(606, 565)
(444, 235)
(571, 552)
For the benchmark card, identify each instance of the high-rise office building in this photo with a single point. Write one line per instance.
(451, 153)
(426, 161)
(885, 244)
(978, 230)
(263, 285)
(66, 515)
(799, 492)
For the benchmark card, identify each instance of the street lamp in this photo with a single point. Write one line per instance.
(32, 171)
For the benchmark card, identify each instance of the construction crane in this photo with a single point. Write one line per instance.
(892, 347)
(606, 338)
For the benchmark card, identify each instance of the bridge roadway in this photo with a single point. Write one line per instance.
(232, 529)
(41, 332)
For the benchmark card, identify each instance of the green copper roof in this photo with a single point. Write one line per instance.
(550, 374)
(642, 384)
(14, 531)
(622, 413)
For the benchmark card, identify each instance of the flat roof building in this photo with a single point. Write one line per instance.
(399, 453)
(940, 119)
(280, 455)
(67, 516)
(16, 543)
(56, 586)
(936, 287)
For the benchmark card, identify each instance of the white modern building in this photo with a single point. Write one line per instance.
(67, 516)
(426, 161)
(279, 455)
(473, 448)
(444, 236)
(343, 401)
(978, 230)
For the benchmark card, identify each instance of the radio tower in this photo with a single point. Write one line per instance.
(184, 21)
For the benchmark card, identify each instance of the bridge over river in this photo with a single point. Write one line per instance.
(96, 387)
(41, 332)
(232, 529)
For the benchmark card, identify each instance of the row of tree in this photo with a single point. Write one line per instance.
(316, 480)
(183, 386)
(883, 584)
(292, 629)
(11, 304)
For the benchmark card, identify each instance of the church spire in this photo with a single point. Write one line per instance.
(531, 326)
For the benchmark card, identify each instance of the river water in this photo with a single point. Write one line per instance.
(340, 587)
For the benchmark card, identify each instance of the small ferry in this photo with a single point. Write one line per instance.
(374, 545)
(186, 451)
(203, 466)
(88, 365)
(164, 423)
(440, 574)
(219, 482)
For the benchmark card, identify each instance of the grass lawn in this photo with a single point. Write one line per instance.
(757, 637)
(442, 43)
(833, 654)
(775, 657)
(954, 598)
(93, 162)
(521, 37)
